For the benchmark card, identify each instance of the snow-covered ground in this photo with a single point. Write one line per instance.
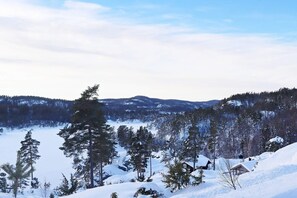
(274, 175)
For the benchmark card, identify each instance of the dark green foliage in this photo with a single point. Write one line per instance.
(17, 174)
(3, 182)
(144, 191)
(192, 145)
(125, 135)
(197, 180)
(35, 183)
(140, 151)
(88, 134)
(26, 111)
(177, 177)
(29, 151)
(66, 187)
(114, 195)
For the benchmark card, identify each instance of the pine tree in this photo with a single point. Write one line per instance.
(124, 135)
(18, 173)
(140, 151)
(213, 141)
(177, 177)
(65, 188)
(3, 182)
(29, 151)
(192, 144)
(87, 138)
(198, 179)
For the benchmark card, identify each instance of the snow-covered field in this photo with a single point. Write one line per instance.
(275, 174)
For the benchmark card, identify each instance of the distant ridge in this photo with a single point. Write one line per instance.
(21, 111)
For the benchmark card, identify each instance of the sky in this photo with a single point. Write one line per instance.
(193, 50)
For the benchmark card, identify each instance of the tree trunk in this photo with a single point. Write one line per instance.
(101, 173)
(91, 158)
(151, 169)
(31, 163)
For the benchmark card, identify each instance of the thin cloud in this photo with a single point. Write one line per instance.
(79, 44)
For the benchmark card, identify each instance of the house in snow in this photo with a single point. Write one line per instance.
(243, 167)
(201, 163)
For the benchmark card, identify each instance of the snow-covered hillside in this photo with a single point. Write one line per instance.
(274, 175)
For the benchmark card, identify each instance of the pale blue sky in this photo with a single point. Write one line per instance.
(192, 49)
(219, 16)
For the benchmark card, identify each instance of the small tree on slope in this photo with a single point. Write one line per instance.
(177, 177)
(227, 176)
(65, 188)
(17, 173)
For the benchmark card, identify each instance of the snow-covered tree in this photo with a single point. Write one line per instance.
(29, 151)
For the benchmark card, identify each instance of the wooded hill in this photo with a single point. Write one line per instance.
(25, 111)
(240, 125)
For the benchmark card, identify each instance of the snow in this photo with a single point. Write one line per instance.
(274, 174)
(277, 139)
(235, 103)
(267, 114)
(248, 164)
(201, 161)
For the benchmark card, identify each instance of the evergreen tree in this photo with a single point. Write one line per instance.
(177, 176)
(192, 144)
(87, 138)
(3, 182)
(124, 135)
(29, 151)
(65, 188)
(213, 141)
(17, 174)
(140, 151)
(197, 180)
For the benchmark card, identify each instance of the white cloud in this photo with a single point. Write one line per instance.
(58, 52)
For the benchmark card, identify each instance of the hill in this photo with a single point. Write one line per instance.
(274, 176)
(240, 125)
(24, 111)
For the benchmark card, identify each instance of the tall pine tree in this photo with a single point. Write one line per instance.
(87, 138)
(140, 151)
(213, 141)
(192, 144)
(29, 151)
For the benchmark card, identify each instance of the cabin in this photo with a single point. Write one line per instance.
(202, 163)
(243, 167)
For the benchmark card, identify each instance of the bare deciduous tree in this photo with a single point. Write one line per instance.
(228, 177)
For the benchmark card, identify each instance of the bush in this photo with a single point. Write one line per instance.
(114, 195)
(67, 188)
(177, 177)
(143, 191)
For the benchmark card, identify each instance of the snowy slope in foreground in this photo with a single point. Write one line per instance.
(273, 177)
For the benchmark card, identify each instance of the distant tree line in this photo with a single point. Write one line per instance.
(239, 126)
(26, 111)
